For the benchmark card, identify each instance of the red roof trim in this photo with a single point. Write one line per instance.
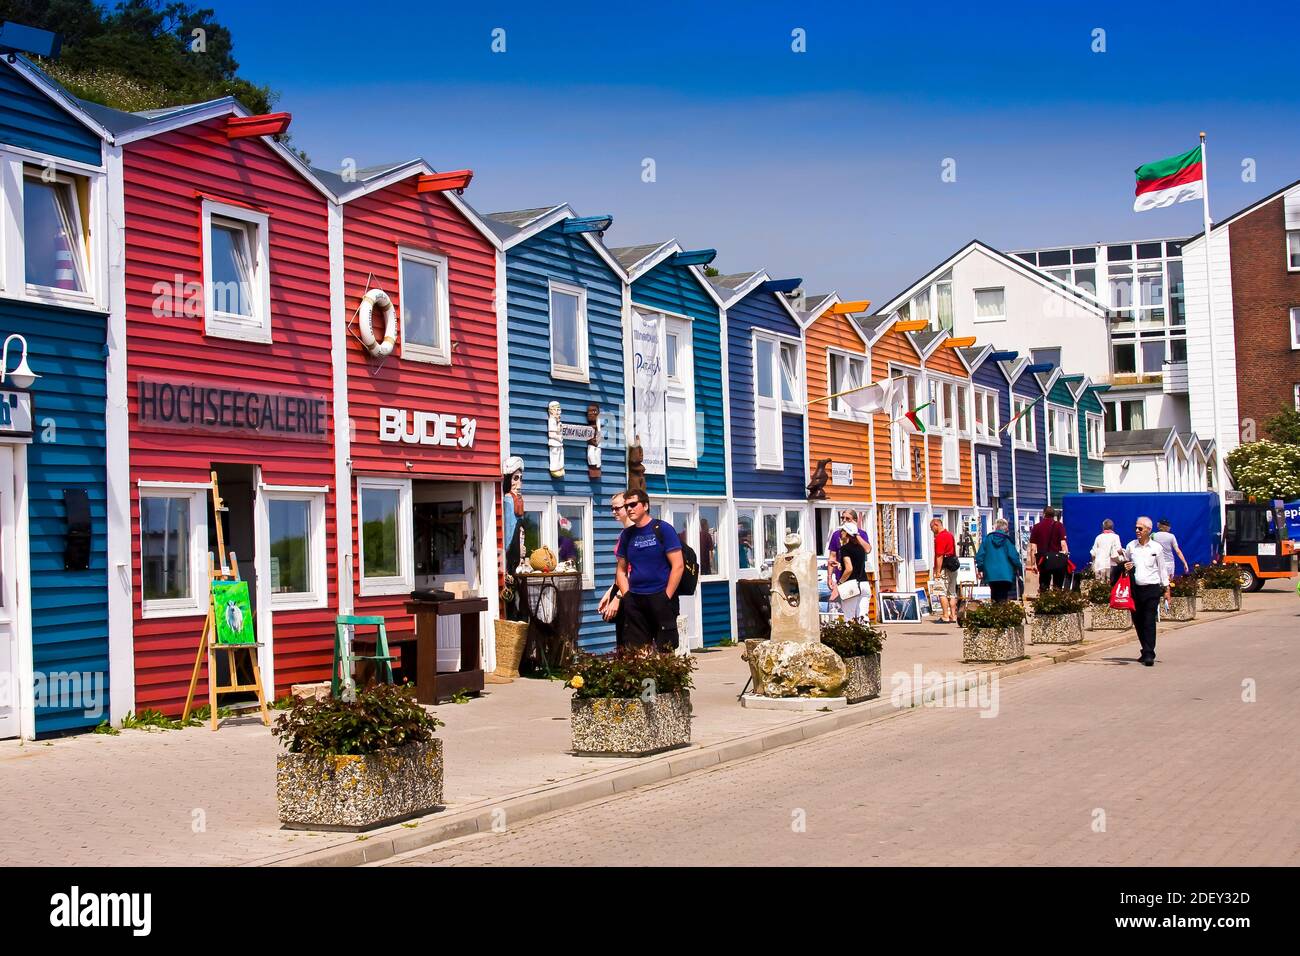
(441, 182)
(268, 124)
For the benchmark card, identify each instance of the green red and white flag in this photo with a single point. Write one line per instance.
(1167, 181)
(1020, 414)
(912, 424)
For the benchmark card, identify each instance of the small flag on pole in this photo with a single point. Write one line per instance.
(872, 398)
(1167, 181)
(1021, 414)
(912, 423)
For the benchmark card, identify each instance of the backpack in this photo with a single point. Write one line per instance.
(690, 561)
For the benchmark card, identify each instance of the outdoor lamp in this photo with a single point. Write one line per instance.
(22, 376)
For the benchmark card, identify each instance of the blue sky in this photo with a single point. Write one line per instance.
(823, 164)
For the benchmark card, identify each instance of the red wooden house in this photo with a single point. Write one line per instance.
(230, 344)
(418, 301)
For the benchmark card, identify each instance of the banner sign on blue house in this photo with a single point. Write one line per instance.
(15, 415)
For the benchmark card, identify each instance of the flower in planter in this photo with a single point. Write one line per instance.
(576, 682)
(852, 637)
(998, 616)
(381, 717)
(1097, 592)
(629, 673)
(1185, 585)
(1060, 601)
(1219, 576)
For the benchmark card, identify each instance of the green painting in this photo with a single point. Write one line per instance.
(233, 611)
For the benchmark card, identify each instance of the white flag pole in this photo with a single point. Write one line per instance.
(1209, 302)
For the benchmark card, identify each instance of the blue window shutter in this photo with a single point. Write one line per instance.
(917, 551)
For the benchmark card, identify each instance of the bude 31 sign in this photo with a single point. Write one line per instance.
(426, 428)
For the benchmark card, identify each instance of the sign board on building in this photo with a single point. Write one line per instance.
(193, 406)
(648, 391)
(576, 432)
(841, 473)
(15, 415)
(426, 428)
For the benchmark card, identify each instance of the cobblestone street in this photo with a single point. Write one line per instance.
(1095, 762)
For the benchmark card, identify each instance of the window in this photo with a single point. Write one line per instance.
(791, 391)
(1295, 328)
(425, 310)
(55, 236)
(1052, 356)
(1125, 415)
(746, 557)
(943, 303)
(1096, 443)
(1153, 355)
(846, 372)
(568, 332)
(1297, 398)
(990, 305)
(1293, 250)
(296, 522)
(1061, 430)
(173, 542)
(573, 536)
(899, 440)
(777, 388)
(679, 386)
(986, 416)
(770, 526)
(236, 281)
(760, 537)
(386, 522)
(710, 525)
(1025, 430)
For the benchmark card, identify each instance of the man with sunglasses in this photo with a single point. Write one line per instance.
(609, 608)
(650, 568)
(1144, 561)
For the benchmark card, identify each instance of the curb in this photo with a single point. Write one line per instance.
(439, 828)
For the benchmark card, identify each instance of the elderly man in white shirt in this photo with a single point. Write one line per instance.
(1144, 561)
(1106, 549)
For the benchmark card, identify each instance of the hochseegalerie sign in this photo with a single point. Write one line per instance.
(193, 406)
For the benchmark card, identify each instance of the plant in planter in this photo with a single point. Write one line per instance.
(357, 765)
(1058, 617)
(859, 643)
(1220, 587)
(631, 703)
(994, 632)
(1103, 617)
(1182, 598)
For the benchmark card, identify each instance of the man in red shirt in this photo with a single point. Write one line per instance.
(943, 581)
(1048, 551)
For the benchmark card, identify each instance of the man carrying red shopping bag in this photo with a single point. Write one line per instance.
(1121, 595)
(1144, 562)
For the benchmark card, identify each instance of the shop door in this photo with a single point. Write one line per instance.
(445, 552)
(681, 517)
(8, 600)
(903, 530)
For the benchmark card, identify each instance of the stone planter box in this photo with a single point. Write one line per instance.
(987, 644)
(1180, 609)
(1221, 599)
(1103, 617)
(864, 678)
(630, 726)
(362, 792)
(1056, 628)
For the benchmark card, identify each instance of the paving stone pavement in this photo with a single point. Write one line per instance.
(1094, 762)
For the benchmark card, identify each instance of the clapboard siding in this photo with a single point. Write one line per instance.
(960, 493)
(1031, 464)
(760, 310)
(1202, 370)
(715, 612)
(894, 349)
(1091, 470)
(163, 179)
(530, 267)
(30, 119)
(677, 289)
(69, 609)
(989, 375)
(839, 439)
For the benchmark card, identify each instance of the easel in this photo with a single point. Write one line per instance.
(208, 642)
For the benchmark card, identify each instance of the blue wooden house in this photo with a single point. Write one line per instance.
(766, 398)
(54, 507)
(1061, 411)
(563, 353)
(994, 488)
(676, 314)
(1028, 437)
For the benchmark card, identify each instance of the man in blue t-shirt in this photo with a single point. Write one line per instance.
(649, 570)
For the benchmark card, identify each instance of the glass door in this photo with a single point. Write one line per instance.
(682, 517)
(8, 600)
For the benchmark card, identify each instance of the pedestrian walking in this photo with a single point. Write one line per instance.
(1169, 545)
(1143, 560)
(650, 568)
(1107, 552)
(846, 561)
(1048, 551)
(998, 563)
(943, 579)
(610, 606)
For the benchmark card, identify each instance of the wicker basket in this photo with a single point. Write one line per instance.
(511, 638)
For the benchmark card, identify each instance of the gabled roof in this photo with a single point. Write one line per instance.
(872, 327)
(344, 184)
(732, 288)
(1047, 379)
(637, 260)
(1246, 211)
(973, 356)
(516, 226)
(818, 306)
(1143, 441)
(47, 86)
(927, 341)
(1082, 296)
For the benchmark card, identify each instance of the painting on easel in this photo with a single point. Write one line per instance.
(233, 611)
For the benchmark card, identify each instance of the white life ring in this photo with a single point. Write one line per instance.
(377, 297)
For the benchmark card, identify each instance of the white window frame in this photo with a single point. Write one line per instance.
(571, 373)
(227, 325)
(317, 593)
(684, 383)
(835, 408)
(1295, 326)
(776, 461)
(990, 433)
(1056, 414)
(551, 525)
(415, 351)
(1292, 237)
(83, 232)
(404, 581)
(1027, 423)
(946, 396)
(975, 298)
(197, 602)
(722, 571)
(1092, 421)
(898, 437)
(1297, 397)
(796, 404)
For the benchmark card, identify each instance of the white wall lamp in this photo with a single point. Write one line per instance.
(22, 376)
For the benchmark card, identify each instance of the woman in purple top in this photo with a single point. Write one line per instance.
(834, 567)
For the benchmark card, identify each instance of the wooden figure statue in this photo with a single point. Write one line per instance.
(817, 486)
